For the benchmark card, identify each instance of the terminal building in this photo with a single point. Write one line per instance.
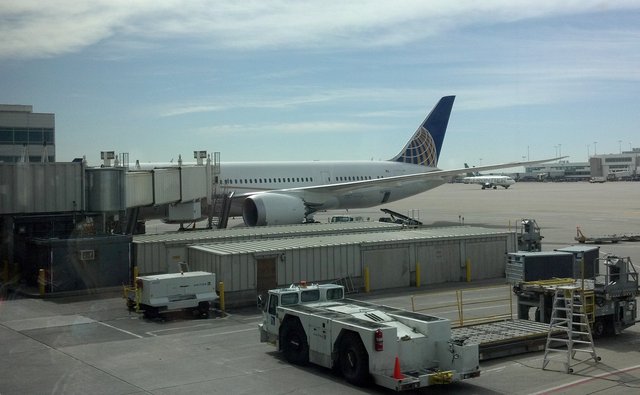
(622, 166)
(26, 136)
(565, 170)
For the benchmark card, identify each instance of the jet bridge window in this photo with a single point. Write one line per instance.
(310, 295)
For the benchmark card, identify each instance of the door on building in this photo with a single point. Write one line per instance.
(266, 275)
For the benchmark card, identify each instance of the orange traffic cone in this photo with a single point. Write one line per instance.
(396, 370)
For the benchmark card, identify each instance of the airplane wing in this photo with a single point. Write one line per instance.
(449, 173)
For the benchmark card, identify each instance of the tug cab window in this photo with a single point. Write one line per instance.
(335, 294)
(288, 299)
(310, 295)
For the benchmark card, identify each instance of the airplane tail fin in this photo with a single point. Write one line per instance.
(471, 174)
(424, 147)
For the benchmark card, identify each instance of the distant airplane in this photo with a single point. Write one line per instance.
(276, 193)
(487, 182)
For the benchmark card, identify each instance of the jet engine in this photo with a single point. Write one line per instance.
(272, 209)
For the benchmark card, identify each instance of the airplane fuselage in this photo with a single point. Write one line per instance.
(251, 177)
(490, 181)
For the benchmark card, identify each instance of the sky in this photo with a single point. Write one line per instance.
(325, 80)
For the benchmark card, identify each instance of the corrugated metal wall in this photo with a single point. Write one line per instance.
(388, 268)
(391, 264)
(23, 187)
(488, 258)
(319, 264)
(160, 253)
(440, 262)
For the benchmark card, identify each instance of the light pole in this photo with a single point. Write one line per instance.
(595, 147)
(588, 151)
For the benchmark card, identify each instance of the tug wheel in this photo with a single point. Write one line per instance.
(293, 342)
(354, 360)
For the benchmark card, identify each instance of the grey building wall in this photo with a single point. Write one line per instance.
(21, 128)
(391, 263)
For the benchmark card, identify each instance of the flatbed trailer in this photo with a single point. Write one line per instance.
(504, 338)
(596, 239)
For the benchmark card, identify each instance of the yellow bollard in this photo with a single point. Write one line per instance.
(367, 284)
(468, 270)
(418, 278)
(221, 291)
(135, 276)
(41, 281)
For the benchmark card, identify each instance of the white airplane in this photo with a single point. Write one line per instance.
(487, 181)
(271, 193)
(276, 193)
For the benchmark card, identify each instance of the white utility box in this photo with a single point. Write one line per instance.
(173, 291)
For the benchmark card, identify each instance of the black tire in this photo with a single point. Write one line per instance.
(151, 313)
(203, 309)
(598, 328)
(293, 342)
(354, 360)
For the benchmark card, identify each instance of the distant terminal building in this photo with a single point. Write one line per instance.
(616, 166)
(562, 170)
(25, 135)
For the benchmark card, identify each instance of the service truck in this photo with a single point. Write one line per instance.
(610, 296)
(391, 347)
(155, 294)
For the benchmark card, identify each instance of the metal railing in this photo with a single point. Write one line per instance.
(468, 306)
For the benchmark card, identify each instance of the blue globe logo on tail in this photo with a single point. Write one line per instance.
(421, 150)
(426, 143)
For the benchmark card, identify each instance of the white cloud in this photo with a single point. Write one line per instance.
(283, 100)
(312, 128)
(34, 29)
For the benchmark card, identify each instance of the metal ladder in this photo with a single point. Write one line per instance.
(569, 330)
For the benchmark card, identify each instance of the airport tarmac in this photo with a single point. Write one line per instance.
(92, 344)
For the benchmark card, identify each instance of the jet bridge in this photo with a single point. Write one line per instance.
(71, 204)
(39, 188)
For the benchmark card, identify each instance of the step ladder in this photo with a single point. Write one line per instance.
(569, 329)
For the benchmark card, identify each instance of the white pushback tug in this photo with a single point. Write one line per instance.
(394, 348)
